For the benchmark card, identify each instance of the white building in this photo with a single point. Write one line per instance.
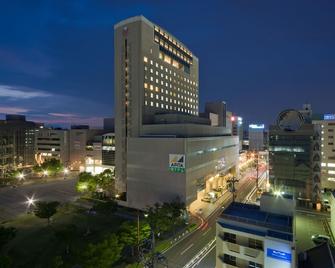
(257, 236)
(326, 130)
(52, 143)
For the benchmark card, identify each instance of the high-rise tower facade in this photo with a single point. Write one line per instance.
(154, 74)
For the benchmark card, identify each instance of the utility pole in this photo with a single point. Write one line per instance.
(232, 188)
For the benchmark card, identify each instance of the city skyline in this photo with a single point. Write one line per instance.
(57, 59)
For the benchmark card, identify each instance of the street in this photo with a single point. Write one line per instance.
(180, 254)
(12, 200)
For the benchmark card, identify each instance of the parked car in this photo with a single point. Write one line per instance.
(320, 239)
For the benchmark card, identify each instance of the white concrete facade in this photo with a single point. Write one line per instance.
(151, 180)
(327, 148)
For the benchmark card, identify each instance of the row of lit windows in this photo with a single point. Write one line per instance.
(146, 60)
(168, 37)
(328, 164)
(162, 98)
(170, 84)
(167, 92)
(168, 107)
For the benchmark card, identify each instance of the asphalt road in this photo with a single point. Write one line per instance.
(185, 250)
(12, 200)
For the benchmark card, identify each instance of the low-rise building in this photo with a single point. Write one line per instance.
(257, 236)
(52, 143)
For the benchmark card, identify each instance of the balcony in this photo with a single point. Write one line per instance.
(249, 253)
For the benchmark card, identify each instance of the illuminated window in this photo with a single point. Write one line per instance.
(151, 62)
(323, 164)
(145, 59)
(331, 165)
(151, 95)
(331, 171)
(146, 103)
(157, 105)
(331, 179)
(145, 85)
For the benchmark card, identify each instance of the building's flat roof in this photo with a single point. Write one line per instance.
(251, 214)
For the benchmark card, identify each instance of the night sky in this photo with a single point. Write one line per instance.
(56, 57)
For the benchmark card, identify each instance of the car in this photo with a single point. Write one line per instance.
(320, 239)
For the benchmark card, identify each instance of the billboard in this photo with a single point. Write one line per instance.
(279, 255)
(177, 163)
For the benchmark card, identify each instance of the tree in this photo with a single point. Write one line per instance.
(6, 234)
(103, 254)
(46, 210)
(66, 234)
(105, 207)
(86, 183)
(57, 262)
(53, 166)
(5, 261)
(166, 217)
(129, 234)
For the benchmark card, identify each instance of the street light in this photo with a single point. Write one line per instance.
(20, 176)
(30, 202)
(66, 171)
(45, 172)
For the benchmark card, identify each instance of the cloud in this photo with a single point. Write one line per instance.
(12, 110)
(62, 115)
(14, 92)
(29, 61)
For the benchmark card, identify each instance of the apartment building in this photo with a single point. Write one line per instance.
(257, 236)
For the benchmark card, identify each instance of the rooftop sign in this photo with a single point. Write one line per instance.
(329, 117)
(255, 126)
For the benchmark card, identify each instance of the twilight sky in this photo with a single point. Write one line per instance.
(261, 56)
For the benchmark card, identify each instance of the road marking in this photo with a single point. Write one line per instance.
(207, 231)
(186, 249)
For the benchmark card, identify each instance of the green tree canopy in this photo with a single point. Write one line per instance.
(103, 254)
(105, 207)
(46, 210)
(66, 235)
(129, 232)
(6, 234)
(52, 166)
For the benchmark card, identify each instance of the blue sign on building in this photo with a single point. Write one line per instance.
(279, 255)
(329, 117)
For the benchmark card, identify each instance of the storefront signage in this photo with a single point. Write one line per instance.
(279, 255)
(177, 163)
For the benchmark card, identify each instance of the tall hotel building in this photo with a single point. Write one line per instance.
(156, 115)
